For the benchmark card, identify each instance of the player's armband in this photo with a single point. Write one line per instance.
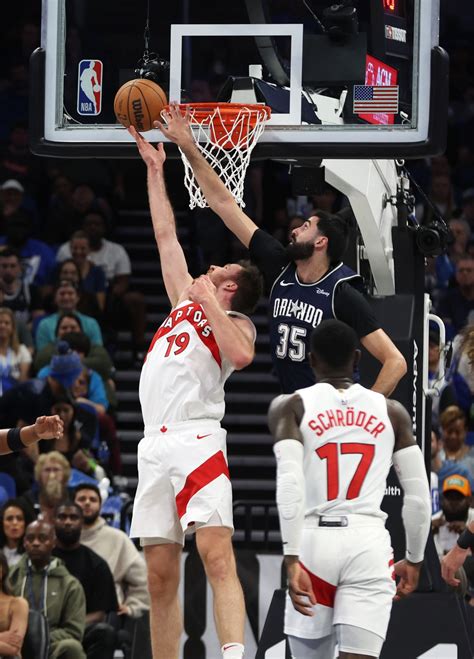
(290, 493)
(416, 511)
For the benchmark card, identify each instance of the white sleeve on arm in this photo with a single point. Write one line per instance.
(416, 511)
(290, 493)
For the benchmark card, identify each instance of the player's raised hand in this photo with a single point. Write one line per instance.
(49, 427)
(409, 574)
(300, 589)
(451, 563)
(150, 155)
(202, 289)
(176, 126)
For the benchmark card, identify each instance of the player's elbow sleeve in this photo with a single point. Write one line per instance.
(416, 511)
(290, 493)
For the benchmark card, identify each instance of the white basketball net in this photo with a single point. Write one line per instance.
(230, 163)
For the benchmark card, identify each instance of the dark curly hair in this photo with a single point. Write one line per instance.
(250, 288)
(27, 514)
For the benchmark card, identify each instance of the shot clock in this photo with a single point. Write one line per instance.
(394, 7)
(395, 28)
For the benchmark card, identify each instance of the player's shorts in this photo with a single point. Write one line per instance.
(183, 482)
(352, 574)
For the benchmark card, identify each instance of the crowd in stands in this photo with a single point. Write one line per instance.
(65, 290)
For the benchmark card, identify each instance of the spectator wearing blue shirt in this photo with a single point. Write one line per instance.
(66, 299)
(37, 257)
(88, 388)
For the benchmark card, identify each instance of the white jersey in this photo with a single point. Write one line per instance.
(184, 372)
(348, 447)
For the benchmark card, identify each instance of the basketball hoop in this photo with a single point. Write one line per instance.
(226, 134)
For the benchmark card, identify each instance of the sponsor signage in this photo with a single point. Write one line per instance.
(379, 74)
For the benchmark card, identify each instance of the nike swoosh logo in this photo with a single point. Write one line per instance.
(202, 436)
(286, 283)
(226, 647)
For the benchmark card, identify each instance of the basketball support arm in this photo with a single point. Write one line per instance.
(368, 184)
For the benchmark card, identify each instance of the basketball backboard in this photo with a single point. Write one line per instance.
(365, 80)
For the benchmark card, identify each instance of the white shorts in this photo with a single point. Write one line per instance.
(351, 570)
(183, 482)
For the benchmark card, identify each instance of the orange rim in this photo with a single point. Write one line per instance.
(228, 111)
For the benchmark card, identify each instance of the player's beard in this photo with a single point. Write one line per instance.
(300, 251)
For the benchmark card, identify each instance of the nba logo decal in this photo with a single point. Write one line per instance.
(89, 87)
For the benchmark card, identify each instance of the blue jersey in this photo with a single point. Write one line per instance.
(295, 310)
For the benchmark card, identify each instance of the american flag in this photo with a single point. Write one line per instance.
(368, 98)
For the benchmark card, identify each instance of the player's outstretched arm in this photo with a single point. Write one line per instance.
(217, 195)
(394, 366)
(173, 263)
(16, 439)
(284, 417)
(409, 464)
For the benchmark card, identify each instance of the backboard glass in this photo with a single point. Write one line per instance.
(355, 82)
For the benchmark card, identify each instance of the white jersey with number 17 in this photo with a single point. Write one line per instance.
(348, 447)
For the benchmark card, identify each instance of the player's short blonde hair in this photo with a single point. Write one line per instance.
(53, 456)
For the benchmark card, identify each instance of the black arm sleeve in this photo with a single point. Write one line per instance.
(352, 308)
(268, 254)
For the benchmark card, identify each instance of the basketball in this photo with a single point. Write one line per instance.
(139, 103)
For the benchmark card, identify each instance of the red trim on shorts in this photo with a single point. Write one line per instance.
(390, 564)
(187, 312)
(324, 591)
(208, 471)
